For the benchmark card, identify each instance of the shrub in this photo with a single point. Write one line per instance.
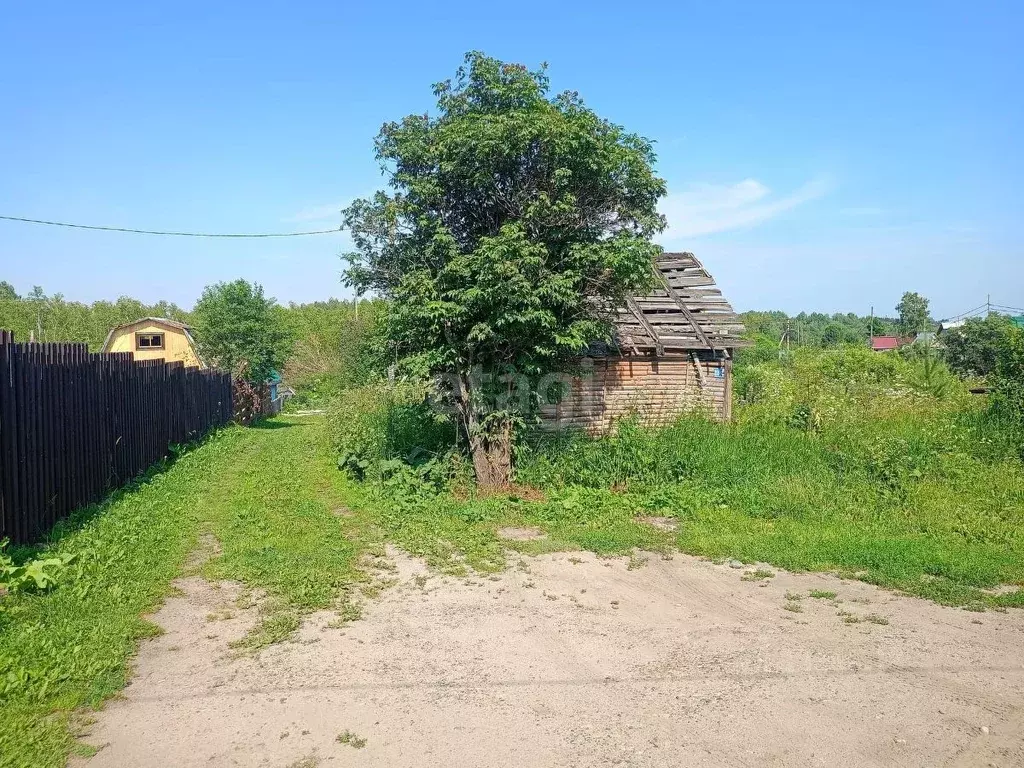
(337, 346)
(373, 425)
(1008, 378)
(973, 348)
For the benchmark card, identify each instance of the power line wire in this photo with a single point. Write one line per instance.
(968, 312)
(169, 234)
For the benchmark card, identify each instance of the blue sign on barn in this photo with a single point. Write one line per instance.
(719, 373)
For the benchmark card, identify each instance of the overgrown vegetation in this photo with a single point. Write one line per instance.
(972, 350)
(773, 331)
(338, 345)
(881, 467)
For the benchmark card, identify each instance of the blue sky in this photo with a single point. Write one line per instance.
(819, 156)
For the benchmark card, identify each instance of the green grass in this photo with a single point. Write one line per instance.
(70, 647)
(265, 494)
(904, 505)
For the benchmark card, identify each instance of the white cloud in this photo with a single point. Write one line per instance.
(703, 209)
(330, 212)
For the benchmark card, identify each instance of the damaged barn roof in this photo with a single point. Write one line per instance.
(684, 311)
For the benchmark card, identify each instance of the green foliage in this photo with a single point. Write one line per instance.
(775, 331)
(337, 346)
(372, 427)
(37, 574)
(239, 330)
(1008, 377)
(347, 737)
(930, 373)
(843, 385)
(837, 334)
(841, 460)
(913, 311)
(973, 348)
(518, 221)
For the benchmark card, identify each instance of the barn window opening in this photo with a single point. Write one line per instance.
(149, 341)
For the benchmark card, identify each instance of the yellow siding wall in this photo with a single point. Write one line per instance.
(176, 344)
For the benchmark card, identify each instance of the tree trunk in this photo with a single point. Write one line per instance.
(492, 460)
(489, 440)
(492, 456)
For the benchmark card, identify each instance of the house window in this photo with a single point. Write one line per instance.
(149, 341)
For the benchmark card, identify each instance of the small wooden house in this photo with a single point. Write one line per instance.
(671, 352)
(155, 338)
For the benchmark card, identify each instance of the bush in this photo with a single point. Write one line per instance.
(1008, 379)
(372, 427)
(973, 348)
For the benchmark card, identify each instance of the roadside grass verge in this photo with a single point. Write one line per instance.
(70, 647)
(267, 495)
(931, 520)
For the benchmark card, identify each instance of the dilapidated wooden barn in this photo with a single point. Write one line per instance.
(672, 352)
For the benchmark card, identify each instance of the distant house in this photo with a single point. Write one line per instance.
(155, 338)
(889, 343)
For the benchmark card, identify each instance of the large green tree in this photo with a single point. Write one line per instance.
(240, 330)
(913, 309)
(516, 223)
(973, 348)
(7, 292)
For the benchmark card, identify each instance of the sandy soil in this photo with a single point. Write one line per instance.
(577, 661)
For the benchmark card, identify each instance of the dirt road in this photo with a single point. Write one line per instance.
(570, 660)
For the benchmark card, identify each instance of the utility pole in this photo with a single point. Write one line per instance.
(871, 326)
(786, 335)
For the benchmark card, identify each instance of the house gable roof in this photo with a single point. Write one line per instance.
(684, 311)
(184, 327)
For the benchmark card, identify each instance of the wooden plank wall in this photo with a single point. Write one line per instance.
(75, 424)
(656, 389)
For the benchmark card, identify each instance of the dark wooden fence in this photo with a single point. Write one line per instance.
(75, 424)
